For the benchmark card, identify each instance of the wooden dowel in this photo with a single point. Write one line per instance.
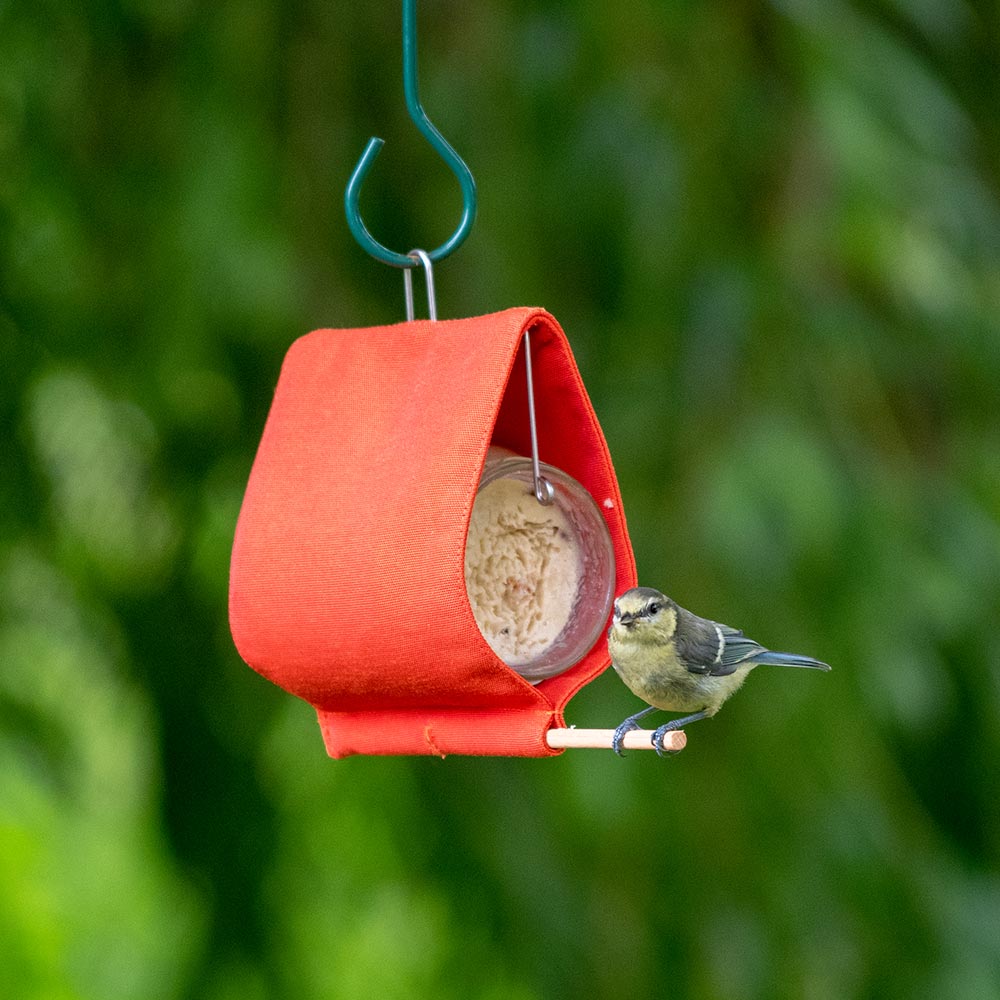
(600, 739)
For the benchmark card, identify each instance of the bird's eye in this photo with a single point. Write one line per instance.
(654, 608)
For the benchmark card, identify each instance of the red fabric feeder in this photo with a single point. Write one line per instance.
(347, 583)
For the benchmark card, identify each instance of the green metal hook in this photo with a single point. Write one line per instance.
(434, 137)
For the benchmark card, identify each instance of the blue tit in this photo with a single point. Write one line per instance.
(677, 662)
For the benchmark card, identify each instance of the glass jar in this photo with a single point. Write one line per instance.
(540, 578)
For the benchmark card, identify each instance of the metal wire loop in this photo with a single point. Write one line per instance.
(420, 257)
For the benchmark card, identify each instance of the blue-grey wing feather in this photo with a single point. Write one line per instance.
(737, 648)
(698, 641)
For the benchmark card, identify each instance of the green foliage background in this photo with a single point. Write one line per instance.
(772, 234)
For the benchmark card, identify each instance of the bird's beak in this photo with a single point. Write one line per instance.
(626, 620)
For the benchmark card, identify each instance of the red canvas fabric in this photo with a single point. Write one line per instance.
(347, 579)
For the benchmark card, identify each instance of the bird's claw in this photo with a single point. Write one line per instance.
(618, 740)
(657, 740)
(632, 722)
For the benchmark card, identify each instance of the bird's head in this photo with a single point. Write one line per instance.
(644, 613)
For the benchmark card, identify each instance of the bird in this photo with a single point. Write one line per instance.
(677, 662)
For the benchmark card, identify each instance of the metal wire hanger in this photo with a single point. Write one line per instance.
(543, 489)
(434, 137)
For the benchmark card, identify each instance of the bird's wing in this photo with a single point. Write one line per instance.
(737, 648)
(712, 649)
(702, 645)
(698, 642)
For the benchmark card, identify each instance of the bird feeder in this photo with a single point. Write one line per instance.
(348, 577)
(386, 531)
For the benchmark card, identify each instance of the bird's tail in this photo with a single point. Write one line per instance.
(789, 660)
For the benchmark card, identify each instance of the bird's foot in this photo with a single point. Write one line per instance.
(632, 722)
(657, 739)
(672, 726)
(618, 740)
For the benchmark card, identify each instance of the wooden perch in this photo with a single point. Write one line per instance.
(600, 739)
